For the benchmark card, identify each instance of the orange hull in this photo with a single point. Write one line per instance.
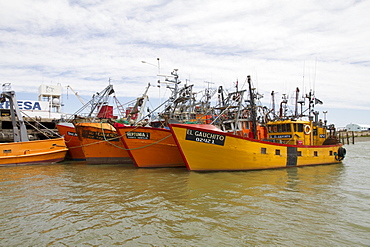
(67, 130)
(32, 152)
(151, 147)
(101, 144)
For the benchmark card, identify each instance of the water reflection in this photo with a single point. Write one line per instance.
(251, 202)
(77, 204)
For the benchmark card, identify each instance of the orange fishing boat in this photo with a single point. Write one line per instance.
(150, 147)
(100, 144)
(152, 144)
(68, 131)
(98, 139)
(32, 152)
(22, 151)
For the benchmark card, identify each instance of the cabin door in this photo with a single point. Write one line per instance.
(292, 156)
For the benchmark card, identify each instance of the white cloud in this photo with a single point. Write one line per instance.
(84, 43)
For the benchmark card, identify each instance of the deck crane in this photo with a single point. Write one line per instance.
(139, 107)
(78, 96)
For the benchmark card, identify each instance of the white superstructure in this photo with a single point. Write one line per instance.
(49, 104)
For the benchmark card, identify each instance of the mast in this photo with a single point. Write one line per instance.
(273, 103)
(221, 96)
(100, 98)
(282, 113)
(97, 100)
(239, 97)
(296, 102)
(253, 108)
(310, 105)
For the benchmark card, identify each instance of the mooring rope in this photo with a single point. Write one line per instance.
(109, 141)
(129, 149)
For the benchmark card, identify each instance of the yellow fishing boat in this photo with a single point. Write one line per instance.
(208, 150)
(290, 142)
(22, 151)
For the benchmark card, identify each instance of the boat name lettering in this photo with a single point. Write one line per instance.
(280, 136)
(100, 135)
(138, 135)
(206, 137)
(71, 133)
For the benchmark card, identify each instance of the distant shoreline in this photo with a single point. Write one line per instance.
(357, 139)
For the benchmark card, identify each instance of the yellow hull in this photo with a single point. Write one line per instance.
(101, 145)
(207, 150)
(32, 152)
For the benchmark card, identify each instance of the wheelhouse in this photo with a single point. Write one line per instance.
(296, 132)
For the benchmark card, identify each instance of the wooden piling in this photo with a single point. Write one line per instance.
(353, 137)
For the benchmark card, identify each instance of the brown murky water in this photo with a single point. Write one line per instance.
(74, 204)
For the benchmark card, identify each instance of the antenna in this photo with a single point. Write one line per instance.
(304, 67)
(208, 82)
(314, 78)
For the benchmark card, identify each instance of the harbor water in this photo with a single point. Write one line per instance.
(74, 204)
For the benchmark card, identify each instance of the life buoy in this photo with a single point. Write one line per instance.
(341, 154)
(307, 129)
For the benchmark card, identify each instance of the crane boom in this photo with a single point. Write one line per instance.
(75, 93)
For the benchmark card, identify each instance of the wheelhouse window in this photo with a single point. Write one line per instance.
(228, 126)
(246, 125)
(286, 128)
(314, 131)
(273, 128)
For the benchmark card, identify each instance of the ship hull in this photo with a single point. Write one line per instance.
(207, 150)
(32, 152)
(101, 144)
(151, 147)
(68, 131)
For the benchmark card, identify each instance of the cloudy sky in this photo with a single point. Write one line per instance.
(310, 44)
